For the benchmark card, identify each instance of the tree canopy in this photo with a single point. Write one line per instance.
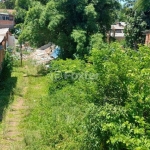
(138, 20)
(142, 5)
(8, 4)
(69, 24)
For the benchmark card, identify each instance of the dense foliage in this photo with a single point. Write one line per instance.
(99, 104)
(142, 5)
(138, 16)
(68, 24)
(136, 24)
(56, 120)
(2, 5)
(7, 4)
(7, 66)
(119, 120)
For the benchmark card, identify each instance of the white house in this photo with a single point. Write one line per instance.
(117, 31)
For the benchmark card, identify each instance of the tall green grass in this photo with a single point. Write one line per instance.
(56, 120)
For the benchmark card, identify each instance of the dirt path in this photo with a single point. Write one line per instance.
(12, 137)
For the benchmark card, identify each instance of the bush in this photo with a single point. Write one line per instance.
(120, 118)
(7, 66)
(101, 104)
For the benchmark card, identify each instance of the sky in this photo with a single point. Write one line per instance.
(122, 2)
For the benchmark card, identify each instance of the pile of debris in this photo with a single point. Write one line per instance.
(43, 54)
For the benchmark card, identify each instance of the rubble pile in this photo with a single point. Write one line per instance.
(42, 55)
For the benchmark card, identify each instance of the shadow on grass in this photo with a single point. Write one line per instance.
(36, 75)
(6, 94)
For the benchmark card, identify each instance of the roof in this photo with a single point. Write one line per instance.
(9, 11)
(3, 31)
(4, 13)
(123, 23)
(119, 25)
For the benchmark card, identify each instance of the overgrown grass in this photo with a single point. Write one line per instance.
(110, 111)
(7, 85)
(6, 93)
(73, 108)
(10, 89)
(56, 119)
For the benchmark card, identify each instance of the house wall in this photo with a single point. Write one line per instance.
(2, 51)
(6, 24)
(6, 21)
(147, 40)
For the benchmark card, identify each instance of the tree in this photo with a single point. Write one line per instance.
(2, 5)
(119, 120)
(129, 3)
(69, 24)
(10, 4)
(142, 5)
(138, 20)
(7, 4)
(21, 7)
(134, 29)
(32, 31)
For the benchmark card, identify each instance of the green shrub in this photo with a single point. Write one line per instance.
(107, 108)
(63, 72)
(7, 66)
(120, 118)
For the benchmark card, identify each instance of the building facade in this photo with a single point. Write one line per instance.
(117, 31)
(6, 20)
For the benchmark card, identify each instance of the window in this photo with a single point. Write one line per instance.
(118, 31)
(7, 17)
(3, 17)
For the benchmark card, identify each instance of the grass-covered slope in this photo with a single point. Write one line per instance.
(101, 103)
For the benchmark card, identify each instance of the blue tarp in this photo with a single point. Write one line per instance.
(55, 52)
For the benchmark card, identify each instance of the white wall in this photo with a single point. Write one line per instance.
(11, 40)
